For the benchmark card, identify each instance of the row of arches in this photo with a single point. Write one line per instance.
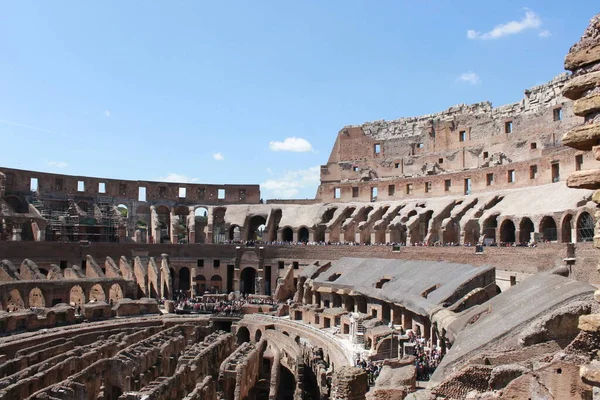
(77, 296)
(581, 230)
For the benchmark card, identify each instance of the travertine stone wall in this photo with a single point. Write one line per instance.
(413, 157)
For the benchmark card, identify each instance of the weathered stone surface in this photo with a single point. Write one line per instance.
(584, 179)
(575, 87)
(583, 137)
(590, 373)
(586, 105)
(504, 374)
(582, 57)
(590, 323)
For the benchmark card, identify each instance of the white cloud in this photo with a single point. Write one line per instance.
(298, 145)
(530, 21)
(58, 164)
(218, 156)
(470, 77)
(291, 182)
(544, 34)
(106, 113)
(177, 178)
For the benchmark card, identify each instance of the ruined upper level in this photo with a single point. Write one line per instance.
(464, 149)
(16, 181)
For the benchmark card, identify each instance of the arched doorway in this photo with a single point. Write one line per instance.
(451, 233)
(548, 229)
(36, 298)
(489, 228)
(184, 279)
(200, 284)
(77, 296)
(585, 227)
(123, 210)
(164, 224)
(287, 235)
(255, 223)
(15, 301)
(97, 293)
(216, 284)
(257, 335)
(235, 234)
(507, 231)
(248, 280)
(201, 221)
(566, 229)
(472, 232)
(115, 293)
(303, 234)
(180, 224)
(526, 229)
(242, 335)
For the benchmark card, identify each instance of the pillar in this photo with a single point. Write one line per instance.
(295, 236)
(192, 226)
(342, 238)
(327, 234)
(172, 234)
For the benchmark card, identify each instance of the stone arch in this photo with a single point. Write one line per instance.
(472, 232)
(526, 228)
(15, 300)
(451, 232)
(257, 335)
(489, 227)
(164, 223)
(115, 293)
(184, 279)
(97, 293)
(218, 221)
(256, 221)
(123, 210)
(77, 295)
(216, 283)
(201, 222)
(16, 204)
(248, 281)
(200, 284)
(242, 335)
(585, 227)
(235, 233)
(507, 231)
(36, 298)
(287, 234)
(567, 228)
(548, 229)
(303, 234)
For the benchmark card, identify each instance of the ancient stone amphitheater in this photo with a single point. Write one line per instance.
(450, 255)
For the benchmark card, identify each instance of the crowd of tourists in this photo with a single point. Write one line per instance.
(254, 243)
(426, 358)
(371, 368)
(225, 305)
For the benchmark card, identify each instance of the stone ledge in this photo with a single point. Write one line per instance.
(582, 137)
(582, 57)
(575, 87)
(589, 323)
(586, 105)
(584, 179)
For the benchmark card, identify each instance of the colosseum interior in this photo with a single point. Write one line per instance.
(447, 256)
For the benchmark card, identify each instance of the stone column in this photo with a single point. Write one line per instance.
(191, 223)
(172, 234)
(327, 234)
(295, 235)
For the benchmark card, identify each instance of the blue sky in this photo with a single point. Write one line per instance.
(252, 91)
